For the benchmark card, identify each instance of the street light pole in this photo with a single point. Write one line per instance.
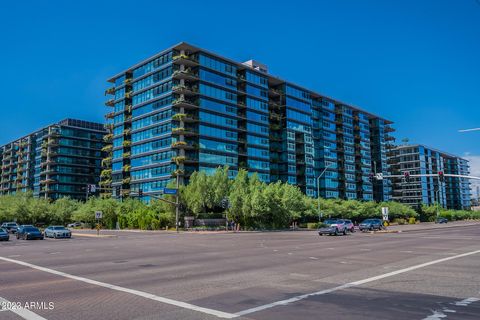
(320, 215)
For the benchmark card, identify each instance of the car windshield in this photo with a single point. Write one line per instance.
(30, 229)
(368, 221)
(11, 224)
(331, 221)
(2, 230)
(58, 228)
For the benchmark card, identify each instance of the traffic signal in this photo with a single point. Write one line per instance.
(441, 176)
(140, 192)
(117, 191)
(406, 175)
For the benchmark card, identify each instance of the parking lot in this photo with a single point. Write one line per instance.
(421, 274)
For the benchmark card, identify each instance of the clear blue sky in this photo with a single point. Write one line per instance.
(414, 62)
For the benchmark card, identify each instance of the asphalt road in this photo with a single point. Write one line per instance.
(430, 274)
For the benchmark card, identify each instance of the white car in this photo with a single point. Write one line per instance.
(57, 232)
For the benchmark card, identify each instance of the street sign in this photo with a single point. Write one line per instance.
(385, 213)
(379, 176)
(169, 191)
(98, 214)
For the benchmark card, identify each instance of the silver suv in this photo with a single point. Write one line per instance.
(333, 227)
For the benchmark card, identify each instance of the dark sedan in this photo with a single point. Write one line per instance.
(4, 235)
(441, 220)
(371, 225)
(29, 233)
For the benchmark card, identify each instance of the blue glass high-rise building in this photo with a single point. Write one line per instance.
(452, 193)
(59, 160)
(188, 109)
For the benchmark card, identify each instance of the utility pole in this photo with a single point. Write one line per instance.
(320, 214)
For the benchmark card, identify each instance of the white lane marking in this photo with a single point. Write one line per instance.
(406, 251)
(14, 256)
(353, 284)
(147, 295)
(313, 258)
(24, 313)
(364, 249)
(436, 316)
(466, 302)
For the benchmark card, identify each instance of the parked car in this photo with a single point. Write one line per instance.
(57, 232)
(74, 225)
(349, 225)
(10, 226)
(333, 227)
(4, 235)
(441, 220)
(29, 233)
(371, 225)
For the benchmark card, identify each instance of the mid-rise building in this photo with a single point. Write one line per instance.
(187, 109)
(57, 161)
(452, 193)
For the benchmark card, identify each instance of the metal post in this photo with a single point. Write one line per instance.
(86, 193)
(177, 204)
(320, 214)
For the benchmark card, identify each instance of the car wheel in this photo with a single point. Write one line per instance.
(55, 236)
(336, 232)
(352, 230)
(371, 229)
(345, 231)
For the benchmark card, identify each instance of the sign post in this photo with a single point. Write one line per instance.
(98, 216)
(385, 212)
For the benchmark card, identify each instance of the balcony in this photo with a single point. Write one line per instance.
(127, 143)
(185, 103)
(107, 162)
(110, 91)
(110, 115)
(107, 148)
(126, 168)
(179, 159)
(187, 74)
(183, 131)
(107, 173)
(126, 180)
(108, 137)
(185, 90)
(127, 81)
(183, 145)
(110, 102)
(185, 60)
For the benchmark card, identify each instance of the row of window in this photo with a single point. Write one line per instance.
(218, 79)
(158, 117)
(218, 93)
(152, 93)
(152, 172)
(152, 132)
(163, 102)
(152, 159)
(217, 65)
(152, 65)
(151, 79)
(151, 146)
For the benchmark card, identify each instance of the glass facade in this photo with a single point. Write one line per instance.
(57, 161)
(185, 109)
(452, 193)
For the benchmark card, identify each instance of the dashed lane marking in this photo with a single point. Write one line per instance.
(353, 284)
(180, 304)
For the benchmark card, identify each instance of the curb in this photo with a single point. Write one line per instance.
(425, 229)
(89, 235)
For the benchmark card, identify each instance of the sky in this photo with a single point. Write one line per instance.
(414, 62)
